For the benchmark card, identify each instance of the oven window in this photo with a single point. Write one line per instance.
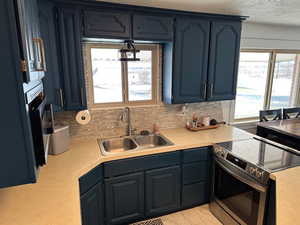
(236, 197)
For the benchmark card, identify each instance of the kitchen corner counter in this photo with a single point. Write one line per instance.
(288, 196)
(55, 199)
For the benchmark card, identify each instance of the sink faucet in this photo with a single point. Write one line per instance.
(126, 114)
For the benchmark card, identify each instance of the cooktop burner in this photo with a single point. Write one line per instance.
(264, 154)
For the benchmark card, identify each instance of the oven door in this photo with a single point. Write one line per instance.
(238, 194)
(41, 116)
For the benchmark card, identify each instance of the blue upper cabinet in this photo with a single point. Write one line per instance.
(17, 161)
(152, 28)
(223, 60)
(52, 84)
(73, 94)
(205, 58)
(190, 61)
(107, 24)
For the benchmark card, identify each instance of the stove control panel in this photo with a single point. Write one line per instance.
(257, 173)
(220, 151)
(252, 170)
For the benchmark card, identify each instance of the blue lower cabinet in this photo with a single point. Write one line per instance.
(124, 198)
(196, 176)
(92, 206)
(143, 187)
(162, 190)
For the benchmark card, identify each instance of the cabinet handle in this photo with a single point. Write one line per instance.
(41, 48)
(61, 98)
(211, 89)
(205, 89)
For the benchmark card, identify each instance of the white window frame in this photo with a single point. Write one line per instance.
(269, 82)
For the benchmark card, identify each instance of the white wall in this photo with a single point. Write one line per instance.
(266, 36)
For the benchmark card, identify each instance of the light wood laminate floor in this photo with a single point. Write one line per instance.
(196, 216)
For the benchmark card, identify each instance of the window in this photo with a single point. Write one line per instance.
(266, 80)
(116, 83)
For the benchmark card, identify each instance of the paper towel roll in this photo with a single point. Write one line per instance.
(83, 117)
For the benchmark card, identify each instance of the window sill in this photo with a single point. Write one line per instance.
(97, 108)
(244, 122)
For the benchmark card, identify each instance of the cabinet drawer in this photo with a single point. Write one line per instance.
(195, 194)
(196, 172)
(88, 180)
(197, 154)
(125, 166)
(162, 160)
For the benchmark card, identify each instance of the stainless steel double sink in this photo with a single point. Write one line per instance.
(132, 143)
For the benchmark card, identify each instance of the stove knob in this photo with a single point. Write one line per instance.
(251, 170)
(259, 174)
(223, 153)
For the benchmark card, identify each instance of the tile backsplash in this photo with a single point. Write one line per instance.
(107, 123)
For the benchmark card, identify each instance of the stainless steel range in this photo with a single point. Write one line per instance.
(241, 177)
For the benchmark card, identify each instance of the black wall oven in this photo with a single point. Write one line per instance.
(42, 124)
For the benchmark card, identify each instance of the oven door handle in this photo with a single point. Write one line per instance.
(252, 184)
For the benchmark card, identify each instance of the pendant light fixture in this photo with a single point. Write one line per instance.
(128, 53)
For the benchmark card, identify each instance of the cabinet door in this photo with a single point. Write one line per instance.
(162, 190)
(17, 164)
(190, 62)
(224, 59)
(52, 84)
(92, 206)
(124, 198)
(74, 95)
(195, 194)
(152, 28)
(29, 32)
(107, 24)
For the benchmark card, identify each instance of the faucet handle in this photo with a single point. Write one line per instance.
(123, 116)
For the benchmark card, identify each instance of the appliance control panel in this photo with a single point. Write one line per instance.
(220, 151)
(252, 170)
(257, 173)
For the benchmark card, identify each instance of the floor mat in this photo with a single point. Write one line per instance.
(157, 221)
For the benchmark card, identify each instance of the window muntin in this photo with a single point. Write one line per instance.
(267, 79)
(116, 83)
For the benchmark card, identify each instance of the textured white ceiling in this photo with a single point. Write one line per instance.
(262, 11)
